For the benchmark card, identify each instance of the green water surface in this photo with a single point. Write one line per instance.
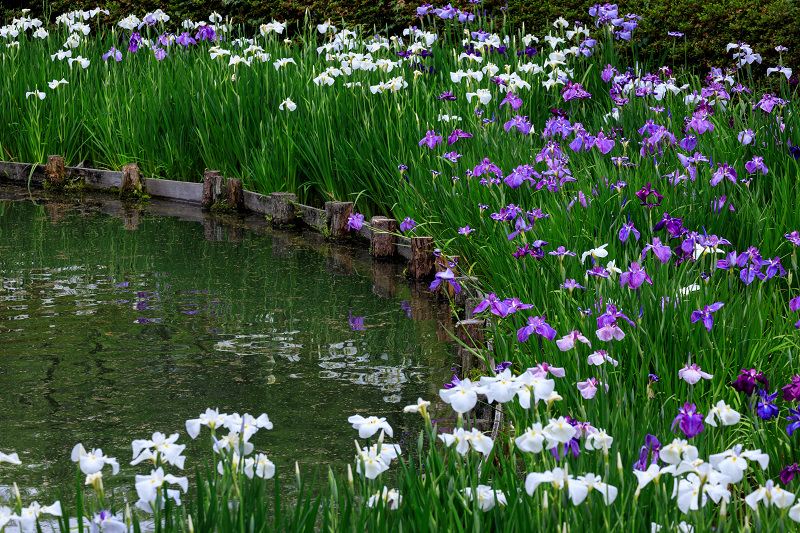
(113, 327)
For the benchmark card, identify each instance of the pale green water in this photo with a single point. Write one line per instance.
(108, 334)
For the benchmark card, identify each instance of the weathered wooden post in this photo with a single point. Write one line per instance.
(210, 178)
(131, 180)
(284, 208)
(470, 336)
(469, 333)
(336, 215)
(55, 170)
(235, 194)
(421, 265)
(383, 237)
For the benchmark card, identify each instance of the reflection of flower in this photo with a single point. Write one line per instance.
(356, 322)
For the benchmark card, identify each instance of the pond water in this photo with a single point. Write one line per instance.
(118, 322)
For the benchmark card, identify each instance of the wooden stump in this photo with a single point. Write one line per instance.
(421, 265)
(336, 214)
(284, 208)
(210, 178)
(131, 179)
(470, 333)
(55, 171)
(235, 194)
(383, 237)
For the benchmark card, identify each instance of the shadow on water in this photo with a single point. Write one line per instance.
(120, 320)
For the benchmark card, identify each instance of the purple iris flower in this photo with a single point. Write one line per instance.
(571, 284)
(408, 224)
(794, 237)
(456, 135)
(700, 124)
(746, 381)
(485, 167)
(635, 276)
(519, 175)
(773, 267)
(116, 54)
(574, 90)
(705, 314)
(603, 144)
(514, 304)
(651, 448)
(536, 325)
(689, 420)
(513, 100)
(355, 221)
(494, 304)
(453, 156)
(765, 406)
(356, 322)
(610, 317)
(675, 34)
(184, 39)
(787, 474)
(746, 136)
(466, 230)
(688, 143)
(520, 226)
(134, 42)
(723, 171)
(502, 367)
(405, 305)
(431, 140)
(535, 252)
(730, 261)
(794, 418)
(561, 252)
(791, 392)
(206, 33)
(662, 251)
(447, 96)
(453, 383)
(521, 123)
(755, 165)
(626, 230)
(446, 277)
(768, 102)
(646, 191)
(160, 54)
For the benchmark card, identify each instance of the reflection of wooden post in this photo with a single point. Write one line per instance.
(421, 266)
(235, 233)
(213, 230)
(444, 323)
(339, 262)
(383, 244)
(421, 301)
(130, 217)
(55, 170)
(280, 247)
(384, 279)
(210, 178)
(336, 215)
(235, 194)
(284, 208)
(442, 264)
(131, 179)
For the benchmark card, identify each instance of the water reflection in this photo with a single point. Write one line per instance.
(114, 327)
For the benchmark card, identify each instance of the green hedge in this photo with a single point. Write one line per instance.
(708, 25)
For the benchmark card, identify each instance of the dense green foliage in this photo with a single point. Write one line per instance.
(708, 26)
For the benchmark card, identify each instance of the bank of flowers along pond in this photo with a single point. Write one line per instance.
(634, 226)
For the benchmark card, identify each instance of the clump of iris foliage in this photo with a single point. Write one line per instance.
(634, 227)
